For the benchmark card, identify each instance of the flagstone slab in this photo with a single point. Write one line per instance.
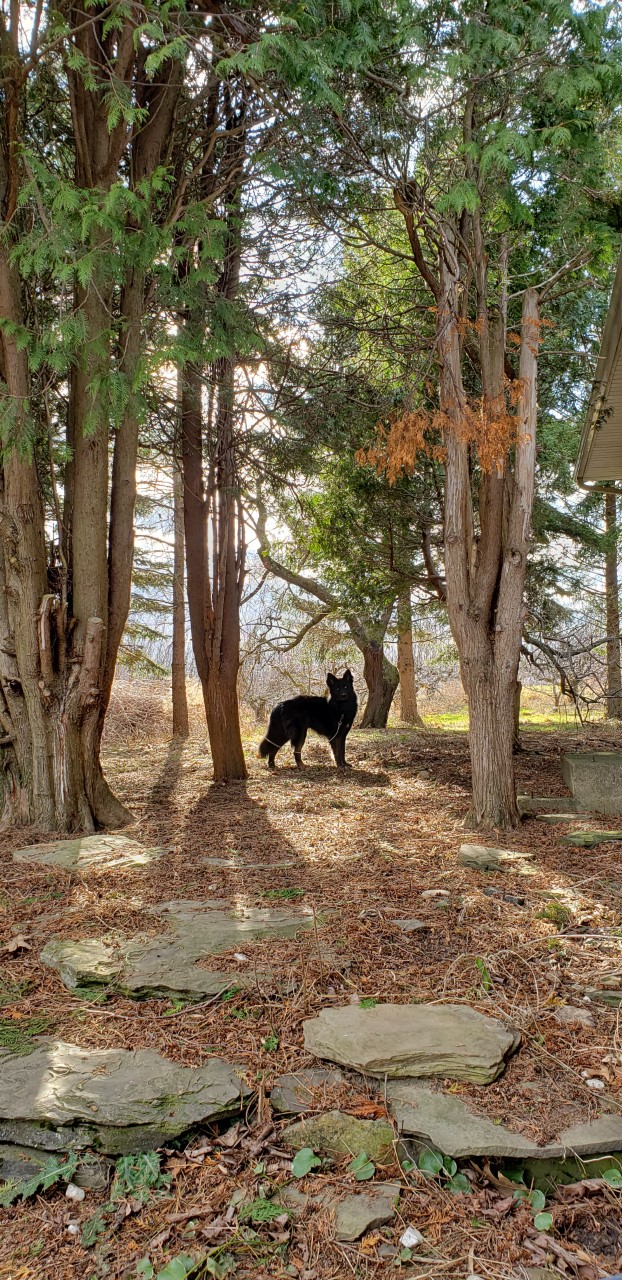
(216, 926)
(546, 804)
(449, 1125)
(594, 1137)
(83, 963)
(99, 852)
(116, 1100)
(590, 839)
(564, 815)
(413, 1040)
(361, 1212)
(18, 1163)
(481, 858)
(453, 1127)
(606, 995)
(158, 968)
(168, 964)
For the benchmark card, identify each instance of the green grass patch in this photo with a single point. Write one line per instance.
(285, 895)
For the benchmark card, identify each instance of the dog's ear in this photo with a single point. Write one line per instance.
(330, 680)
(347, 675)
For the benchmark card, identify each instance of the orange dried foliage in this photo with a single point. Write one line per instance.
(490, 429)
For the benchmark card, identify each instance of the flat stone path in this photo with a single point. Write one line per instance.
(168, 964)
(396, 1040)
(61, 1097)
(482, 858)
(103, 852)
(454, 1128)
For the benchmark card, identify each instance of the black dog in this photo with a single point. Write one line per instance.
(291, 720)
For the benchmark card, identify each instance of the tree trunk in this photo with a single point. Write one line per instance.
(485, 582)
(50, 680)
(213, 515)
(222, 711)
(405, 662)
(381, 678)
(90, 567)
(613, 706)
(178, 671)
(491, 743)
(214, 598)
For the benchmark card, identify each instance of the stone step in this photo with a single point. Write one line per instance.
(339, 1134)
(482, 858)
(565, 816)
(413, 1040)
(100, 852)
(62, 1097)
(167, 965)
(546, 804)
(453, 1127)
(590, 839)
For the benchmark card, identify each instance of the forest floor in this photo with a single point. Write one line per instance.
(366, 845)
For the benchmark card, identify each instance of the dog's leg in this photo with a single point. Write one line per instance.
(342, 762)
(298, 743)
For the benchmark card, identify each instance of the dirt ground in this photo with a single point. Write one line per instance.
(366, 845)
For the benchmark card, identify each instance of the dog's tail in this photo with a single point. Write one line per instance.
(276, 736)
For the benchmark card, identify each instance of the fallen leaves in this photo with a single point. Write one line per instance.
(20, 942)
(367, 849)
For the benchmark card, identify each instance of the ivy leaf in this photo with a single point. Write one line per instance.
(304, 1161)
(431, 1162)
(362, 1167)
(537, 1200)
(459, 1185)
(177, 1268)
(543, 1221)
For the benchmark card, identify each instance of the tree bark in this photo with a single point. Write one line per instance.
(486, 547)
(406, 664)
(213, 519)
(485, 581)
(178, 666)
(381, 678)
(492, 677)
(214, 595)
(491, 743)
(613, 705)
